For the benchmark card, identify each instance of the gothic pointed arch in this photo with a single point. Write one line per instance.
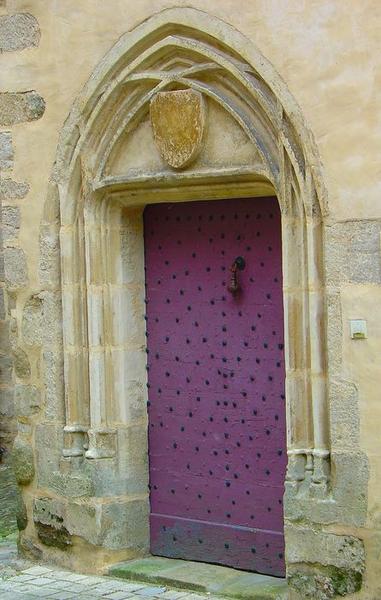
(182, 49)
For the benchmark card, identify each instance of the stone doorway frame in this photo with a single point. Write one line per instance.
(101, 245)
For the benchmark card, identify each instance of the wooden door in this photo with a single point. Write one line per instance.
(217, 440)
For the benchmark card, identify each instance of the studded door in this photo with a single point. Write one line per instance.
(217, 442)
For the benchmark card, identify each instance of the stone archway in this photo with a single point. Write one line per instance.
(103, 180)
(178, 49)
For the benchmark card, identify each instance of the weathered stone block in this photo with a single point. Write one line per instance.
(345, 419)
(7, 407)
(28, 549)
(51, 317)
(351, 486)
(24, 428)
(53, 371)
(75, 518)
(16, 271)
(2, 298)
(13, 190)
(51, 214)
(21, 363)
(323, 583)
(23, 461)
(48, 511)
(308, 546)
(21, 513)
(32, 321)
(134, 442)
(6, 366)
(50, 268)
(51, 535)
(352, 251)
(71, 485)
(13, 332)
(8, 501)
(84, 520)
(6, 151)
(18, 31)
(18, 107)
(48, 517)
(27, 400)
(5, 344)
(364, 267)
(131, 474)
(48, 447)
(125, 525)
(10, 222)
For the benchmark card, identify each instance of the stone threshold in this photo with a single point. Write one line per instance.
(223, 582)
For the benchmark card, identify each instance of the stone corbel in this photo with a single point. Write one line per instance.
(321, 472)
(75, 441)
(296, 467)
(309, 468)
(102, 443)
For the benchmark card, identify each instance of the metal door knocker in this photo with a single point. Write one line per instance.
(238, 265)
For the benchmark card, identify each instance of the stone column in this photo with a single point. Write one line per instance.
(75, 341)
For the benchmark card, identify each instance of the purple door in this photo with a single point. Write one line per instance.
(217, 439)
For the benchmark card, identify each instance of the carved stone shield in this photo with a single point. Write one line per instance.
(178, 120)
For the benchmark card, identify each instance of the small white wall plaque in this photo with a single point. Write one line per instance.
(358, 329)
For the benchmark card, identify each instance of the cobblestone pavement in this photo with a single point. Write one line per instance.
(21, 580)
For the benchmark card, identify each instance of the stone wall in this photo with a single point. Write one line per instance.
(328, 57)
(7, 421)
(17, 32)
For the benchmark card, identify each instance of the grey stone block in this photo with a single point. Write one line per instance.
(6, 151)
(21, 513)
(19, 107)
(52, 318)
(83, 520)
(48, 447)
(7, 407)
(308, 546)
(345, 418)
(8, 500)
(352, 252)
(125, 525)
(10, 222)
(16, 271)
(18, 31)
(6, 366)
(322, 583)
(53, 372)
(27, 400)
(28, 549)
(50, 268)
(5, 344)
(2, 302)
(71, 485)
(21, 363)
(12, 190)
(22, 461)
(48, 517)
(32, 321)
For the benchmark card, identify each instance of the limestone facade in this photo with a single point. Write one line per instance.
(291, 109)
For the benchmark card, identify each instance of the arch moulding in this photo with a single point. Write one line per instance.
(102, 270)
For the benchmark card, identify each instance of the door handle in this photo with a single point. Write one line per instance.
(238, 265)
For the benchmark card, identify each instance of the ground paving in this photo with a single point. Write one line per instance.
(21, 579)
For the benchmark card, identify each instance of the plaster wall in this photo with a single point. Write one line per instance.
(327, 52)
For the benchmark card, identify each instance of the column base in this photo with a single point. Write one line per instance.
(102, 443)
(75, 440)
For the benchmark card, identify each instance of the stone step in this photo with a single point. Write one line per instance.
(202, 577)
